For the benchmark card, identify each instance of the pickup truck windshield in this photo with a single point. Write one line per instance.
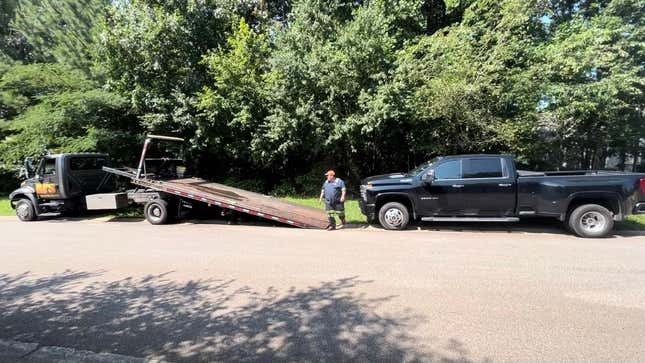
(420, 168)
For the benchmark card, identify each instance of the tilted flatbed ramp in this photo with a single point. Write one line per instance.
(232, 198)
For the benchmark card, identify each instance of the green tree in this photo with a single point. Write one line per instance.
(593, 82)
(331, 55)
(462, 89)
(151, 53)
(233, 106)
(55, 108)
(61, 31)
(12, 44)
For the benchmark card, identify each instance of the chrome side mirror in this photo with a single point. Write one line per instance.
(27, 169)
(428, 176)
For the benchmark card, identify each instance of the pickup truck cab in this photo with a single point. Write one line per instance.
(488, 188)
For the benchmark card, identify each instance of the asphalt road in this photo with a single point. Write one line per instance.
(204, 292)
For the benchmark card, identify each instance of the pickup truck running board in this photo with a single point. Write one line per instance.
(470, 219)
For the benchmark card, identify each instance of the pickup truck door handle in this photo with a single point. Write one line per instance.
(457, 185)
(504, 184)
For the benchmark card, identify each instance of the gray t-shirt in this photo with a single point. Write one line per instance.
(333, 190)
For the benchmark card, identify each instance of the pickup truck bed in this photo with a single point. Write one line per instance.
(550, 193)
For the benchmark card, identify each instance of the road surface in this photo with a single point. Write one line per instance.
(212, 292)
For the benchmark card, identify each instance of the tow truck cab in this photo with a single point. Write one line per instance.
(58, 184)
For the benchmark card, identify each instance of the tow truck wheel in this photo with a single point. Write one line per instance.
(25, 210)
(156, 211)
(591, 221)
(393, 216)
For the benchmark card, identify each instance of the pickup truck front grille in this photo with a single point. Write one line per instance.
(364, 192)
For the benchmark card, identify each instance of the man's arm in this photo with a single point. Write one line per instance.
(322, 194)
(343, 192)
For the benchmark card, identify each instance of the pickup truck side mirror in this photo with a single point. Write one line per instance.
(428, 176)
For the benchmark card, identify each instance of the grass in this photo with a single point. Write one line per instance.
(633, 222)
(352, 211)
(5, 207)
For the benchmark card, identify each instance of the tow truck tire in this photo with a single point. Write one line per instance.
(591, 221)
(156, 211)
(25, 210)
(394, 216)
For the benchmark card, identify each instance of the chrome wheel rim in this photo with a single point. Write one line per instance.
(394, 217)
(23, 210)
(593, 221)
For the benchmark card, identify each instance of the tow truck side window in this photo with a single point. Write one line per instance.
(49, 167)
(86, 163)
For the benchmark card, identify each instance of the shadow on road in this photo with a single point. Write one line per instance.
(210, 320)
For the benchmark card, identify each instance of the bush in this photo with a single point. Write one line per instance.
(304, 185)
(8, 180)
(253, 185)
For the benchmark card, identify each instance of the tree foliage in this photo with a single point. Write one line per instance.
(278, 90)
(58, 110)
(60, 31)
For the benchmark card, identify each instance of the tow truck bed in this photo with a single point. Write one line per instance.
(232, 198)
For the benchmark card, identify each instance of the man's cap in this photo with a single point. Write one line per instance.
(330, 172)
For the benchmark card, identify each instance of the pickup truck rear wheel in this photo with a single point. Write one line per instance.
(156, 211)
(393, 216)
(591, 221)
(25, 210)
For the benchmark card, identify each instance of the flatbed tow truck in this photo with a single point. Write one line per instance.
(72, 183)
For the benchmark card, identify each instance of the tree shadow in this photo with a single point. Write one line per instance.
(210, 320)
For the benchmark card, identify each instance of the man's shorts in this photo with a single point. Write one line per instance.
(335, 206)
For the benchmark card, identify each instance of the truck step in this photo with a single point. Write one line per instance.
(470, 219)
(51, 204)
(49, 214)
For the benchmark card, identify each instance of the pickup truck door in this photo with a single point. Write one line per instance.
(488, 188)
(442, 195)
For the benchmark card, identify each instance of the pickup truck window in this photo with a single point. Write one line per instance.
(483, 168)
(448, 170)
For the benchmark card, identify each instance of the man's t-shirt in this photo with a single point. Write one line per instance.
(333, 190)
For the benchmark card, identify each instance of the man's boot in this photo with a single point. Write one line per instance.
(332, 222)
(342, 222)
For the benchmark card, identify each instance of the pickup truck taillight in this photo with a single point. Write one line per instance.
(643, 185)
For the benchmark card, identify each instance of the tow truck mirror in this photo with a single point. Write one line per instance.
(428, 176)
(27, 169)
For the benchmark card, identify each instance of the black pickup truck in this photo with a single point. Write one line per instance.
(488, 188)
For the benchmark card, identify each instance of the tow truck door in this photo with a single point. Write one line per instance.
(48, 179)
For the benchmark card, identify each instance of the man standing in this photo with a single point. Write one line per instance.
(333, 190)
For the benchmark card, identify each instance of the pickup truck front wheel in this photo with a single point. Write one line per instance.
(591, 221)
(394, 216)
